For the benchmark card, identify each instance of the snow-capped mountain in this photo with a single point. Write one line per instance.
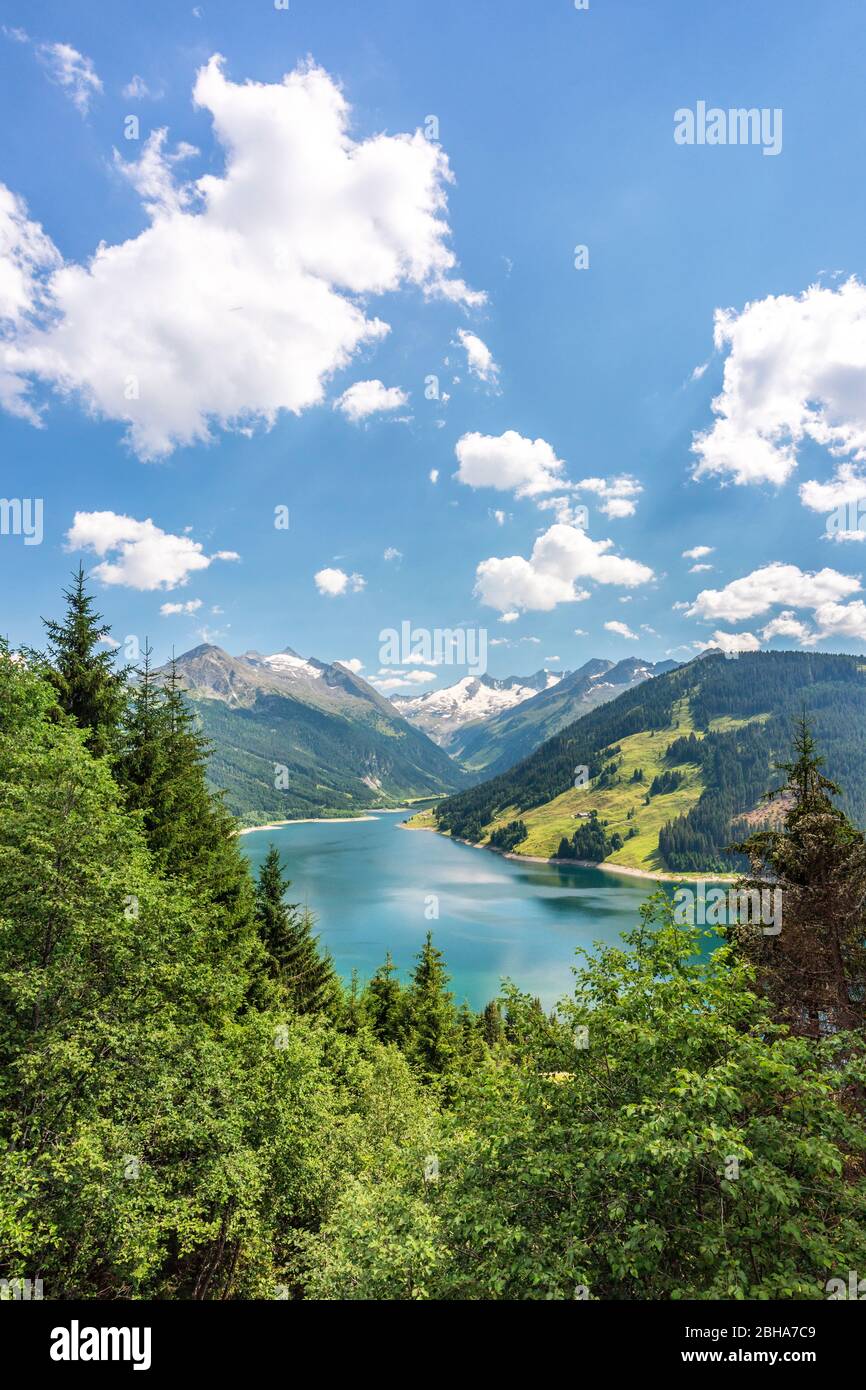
(344, 747)
(445, 715)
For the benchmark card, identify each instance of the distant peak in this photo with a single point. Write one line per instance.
(204, 649)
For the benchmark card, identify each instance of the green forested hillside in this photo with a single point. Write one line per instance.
(498, 743)
(741, 713)
(291, 738)
(192, 1107)
(336, 766)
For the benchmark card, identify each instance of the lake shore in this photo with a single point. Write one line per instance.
(309, 820)
(325, 820)
(653, 875)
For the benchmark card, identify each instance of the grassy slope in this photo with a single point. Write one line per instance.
(547, 824)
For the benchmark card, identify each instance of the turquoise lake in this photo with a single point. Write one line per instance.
(369, 884)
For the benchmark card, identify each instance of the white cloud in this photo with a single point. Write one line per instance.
(354, 664)
(369, 398)
(565, 510)
(509, 617)
(788, 625)
(621, 630)
(848, 484)
(145, 556)
(152, 175)
(403, 680)
(392, 553)
(246, 292)
(842, 619)
(580, 632)
(795, 371)
(478, 356)
(137, 89)
(508, 462)
(759, 591)
(617, 493)
(698, 552)
(733, 642)
(26, 254)
(434, 475)
(562, 555)
(699, 569)
(168, 609)
(72, 71)
(333, 582)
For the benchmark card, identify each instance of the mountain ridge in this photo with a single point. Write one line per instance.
(676, 766)
(295, 737)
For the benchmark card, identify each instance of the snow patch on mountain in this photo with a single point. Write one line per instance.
(444, 713)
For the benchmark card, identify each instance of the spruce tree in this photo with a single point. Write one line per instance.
(814, 968)
(88, 686)
(304, 977)
(491, 1022)
(431, 1012)
(141, 766)
(163, 771)
(385, 1003)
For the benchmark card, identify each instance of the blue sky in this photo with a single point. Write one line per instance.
(555, 129)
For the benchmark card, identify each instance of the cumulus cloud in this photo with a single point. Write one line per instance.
(734, 642)
(25, 255)
(354, 664)
(785, 585)
(369, 398)
(510, 463)
(795, 371)
(561, 556)
(789, 625)
(698, 552)
(617, 494)
(392, 553)
(479, 358)
(72, 71)
(402, 680)
(842, 620)
(246, 291)
(759, 591)
(169, 609)
(565, 510)
(621, 630)
(699, 569)
(334, 582)
(145, 557)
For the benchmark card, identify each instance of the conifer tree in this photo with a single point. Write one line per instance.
(385, 1003)
(88, 686)
(431, 1011)
(163, 771)
(491, 1022)
(141, 765)
(304, 976)
(814, 968)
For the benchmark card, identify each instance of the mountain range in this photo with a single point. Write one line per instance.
(293, 736)
(447, 715)
(501, 741)
(667, 775)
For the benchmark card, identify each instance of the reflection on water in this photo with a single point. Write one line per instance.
(374, 887)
